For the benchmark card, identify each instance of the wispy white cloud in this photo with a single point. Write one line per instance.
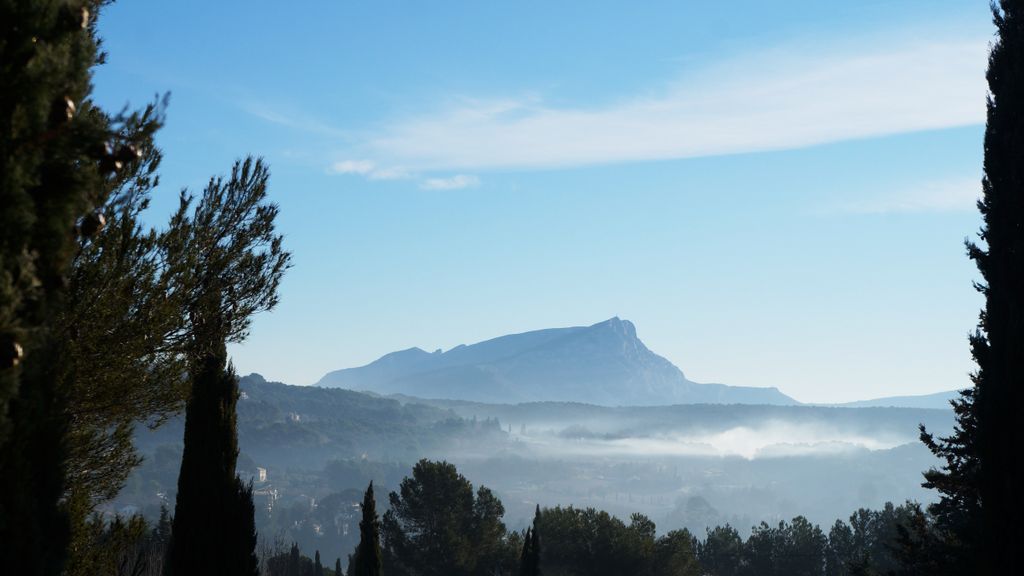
(758, 103)
(389, 173)
(361, 167)
(290, 119)
(371, 171)
(454, 183)
(368, 169)
(956, 195)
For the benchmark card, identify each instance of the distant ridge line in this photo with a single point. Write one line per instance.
(604, 364)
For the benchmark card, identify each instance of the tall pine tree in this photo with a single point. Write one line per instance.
(977, 515)
(367, 559)
(237, 263)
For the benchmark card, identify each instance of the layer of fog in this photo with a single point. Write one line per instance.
(692, 466)
(768, 439)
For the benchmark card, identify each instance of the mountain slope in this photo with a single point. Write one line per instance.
(939, 400)
(604, 364)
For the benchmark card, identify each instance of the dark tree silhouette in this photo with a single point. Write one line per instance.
(213, 531)
(977, 516)
(367, 558)
(118, 362)
(588, 541)
(998, 345)
(436, 527)
(58, 157)
(529, 560)
(721, 551)
(526, 554)
(675, 555)
(237, 262)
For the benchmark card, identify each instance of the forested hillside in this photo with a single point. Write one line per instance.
(686, 466)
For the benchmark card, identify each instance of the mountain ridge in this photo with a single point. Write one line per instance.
(936, 400)
(604, 364)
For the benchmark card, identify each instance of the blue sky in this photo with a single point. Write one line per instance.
(776, 193)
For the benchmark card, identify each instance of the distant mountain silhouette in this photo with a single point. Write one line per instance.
(604, 364)
(939, 400)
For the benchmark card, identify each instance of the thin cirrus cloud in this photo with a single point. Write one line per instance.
(456, 182)
(368, 169)
(954, 195)
(759, 103)
(371, 171)
(290, 119)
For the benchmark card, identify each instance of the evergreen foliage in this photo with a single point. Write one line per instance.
(998, 345)
(337, 567)
(976, 528)
(235, 264)
(95, 332)
(119, 332)
(59, 159)
(720, 551)
(318, 568)
(289, 562)
(529, 560)
(437, 527)
(214, 529)
(588, 541)
(48, 173)
(675, 554)
(120, 546)
(366, 561)
(796, 548)
(525, 557)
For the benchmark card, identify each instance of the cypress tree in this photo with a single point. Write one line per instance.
(337, 567)
(54, 171)
(525, 558)
(213, 531)
(530, 565)
(977, 514)
(998, 345)
(535, 551)
(529, 560)
(367, 559)
(318, 568)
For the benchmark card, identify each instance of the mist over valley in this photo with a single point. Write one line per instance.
(761, 456)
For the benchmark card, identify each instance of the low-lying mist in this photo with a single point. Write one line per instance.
(769, 439)
(311, 452)
(697, 466)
